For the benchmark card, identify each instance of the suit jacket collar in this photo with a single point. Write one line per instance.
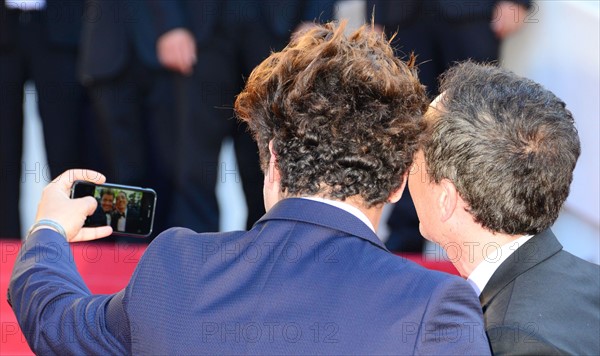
(538, 249)
(314, 212)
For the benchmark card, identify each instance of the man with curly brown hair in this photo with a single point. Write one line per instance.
(337, 120)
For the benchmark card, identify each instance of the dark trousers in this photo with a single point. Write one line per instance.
(205, 102)
(205, 111)
(136, 131)
(59, 99)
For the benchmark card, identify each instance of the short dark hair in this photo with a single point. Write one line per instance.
(508, 144)
(104, 192)
(343, 112)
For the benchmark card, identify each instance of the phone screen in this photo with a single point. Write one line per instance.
(129, 210)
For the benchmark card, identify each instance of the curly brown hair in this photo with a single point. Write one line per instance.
(344, 113)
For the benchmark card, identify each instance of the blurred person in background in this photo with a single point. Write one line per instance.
(441, 33)
(132, 97)
(38, 42)
(210, 47)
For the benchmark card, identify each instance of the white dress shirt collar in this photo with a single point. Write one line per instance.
(485, 269)
(347, 207)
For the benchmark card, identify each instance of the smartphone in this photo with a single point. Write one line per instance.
(129, 210)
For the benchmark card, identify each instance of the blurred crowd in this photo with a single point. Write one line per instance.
(140, 90)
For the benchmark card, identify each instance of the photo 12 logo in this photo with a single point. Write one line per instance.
(271, 332)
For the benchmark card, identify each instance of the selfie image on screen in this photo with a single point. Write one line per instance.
(119, 209)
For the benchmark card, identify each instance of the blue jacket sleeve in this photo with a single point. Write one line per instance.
(453, 322)
(55, 310)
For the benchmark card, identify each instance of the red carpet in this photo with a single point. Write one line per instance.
(106, 268)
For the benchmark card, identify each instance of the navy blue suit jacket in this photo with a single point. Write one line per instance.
(309, 278)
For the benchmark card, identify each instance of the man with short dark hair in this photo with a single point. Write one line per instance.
(107, 202)
(337, 120)
(494, 170)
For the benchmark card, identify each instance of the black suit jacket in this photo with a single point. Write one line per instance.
(544, 301)
(132, 220)
(63, 21)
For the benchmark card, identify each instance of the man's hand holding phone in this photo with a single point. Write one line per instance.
(56, 205)
(127, 209)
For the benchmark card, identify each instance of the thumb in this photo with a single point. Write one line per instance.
(87, 204)
(87, 233)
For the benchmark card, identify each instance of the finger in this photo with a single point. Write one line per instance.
(87, 204)
(187, 54)
(65, 180)
(92, 233)
(172, 58)
(191, 60)
(190, 53)
(186, 64)
(182, 65)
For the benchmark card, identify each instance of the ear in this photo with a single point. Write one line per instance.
(273, 175)
(395, 195)
(447, 199)
(272, 184)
